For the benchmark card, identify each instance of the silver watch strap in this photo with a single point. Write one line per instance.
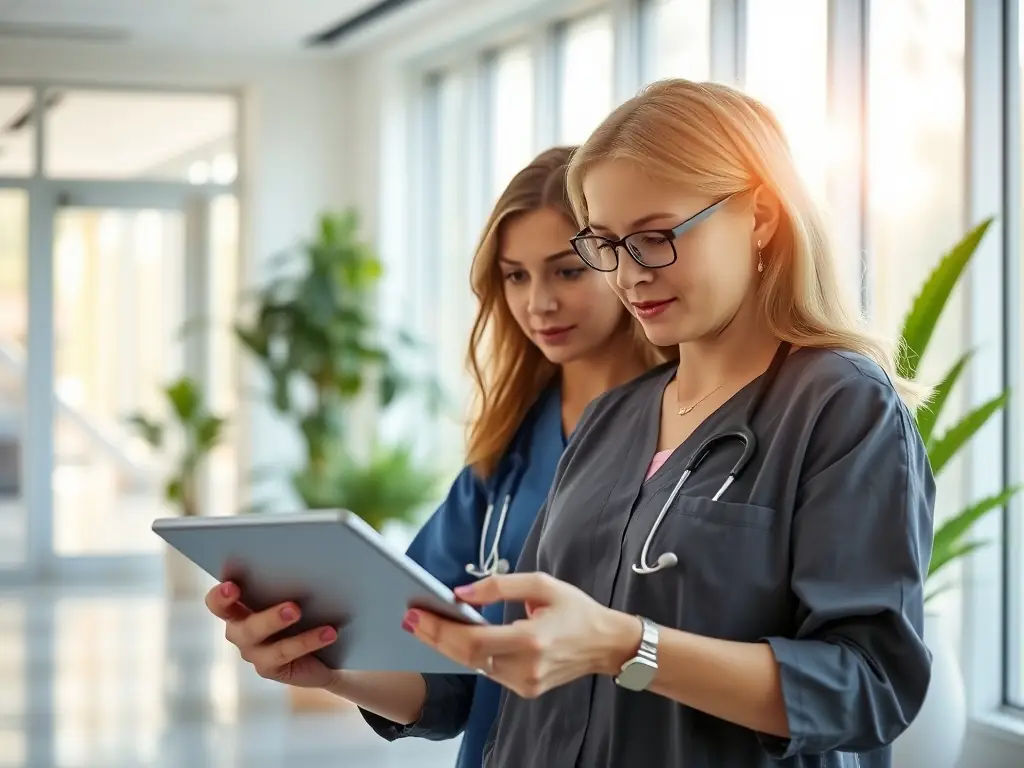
(649, 641)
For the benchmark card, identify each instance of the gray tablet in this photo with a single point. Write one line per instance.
(337, 569)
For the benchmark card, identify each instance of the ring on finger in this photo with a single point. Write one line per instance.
(488, 668)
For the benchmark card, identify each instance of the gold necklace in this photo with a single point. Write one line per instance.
(683, 411)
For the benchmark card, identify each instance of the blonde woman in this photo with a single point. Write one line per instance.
(557, 337)
(729, 567)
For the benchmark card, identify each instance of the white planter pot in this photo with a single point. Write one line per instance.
(936, 737)
(183, 579)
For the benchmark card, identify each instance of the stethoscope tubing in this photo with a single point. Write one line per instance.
(489, 563)
(744, 434)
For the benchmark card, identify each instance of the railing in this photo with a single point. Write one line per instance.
(113, 442)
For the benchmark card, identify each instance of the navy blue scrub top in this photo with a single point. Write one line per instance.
(450, 540)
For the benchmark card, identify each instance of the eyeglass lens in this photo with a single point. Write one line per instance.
(651, 249)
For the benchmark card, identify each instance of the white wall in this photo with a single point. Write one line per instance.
(295, 128)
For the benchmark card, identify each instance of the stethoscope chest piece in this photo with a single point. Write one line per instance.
(499, 567)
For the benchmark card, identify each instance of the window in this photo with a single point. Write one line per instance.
(792, 80)
(1014, 637)
(676, 39)
(585, 94)
(512, 116)
(445, 301)
(916, 206)
(127, 135)
(915, 153)
(119, 305)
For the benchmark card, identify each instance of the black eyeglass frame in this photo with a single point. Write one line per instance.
(670, 236)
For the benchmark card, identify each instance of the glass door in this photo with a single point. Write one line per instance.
(118, 310)
(119, 261)
(142, 294)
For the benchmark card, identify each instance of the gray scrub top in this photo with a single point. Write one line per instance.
(820, 548)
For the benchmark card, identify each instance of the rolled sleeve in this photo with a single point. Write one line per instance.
(444, 714)
(856, 672)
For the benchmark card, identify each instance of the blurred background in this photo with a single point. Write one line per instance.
(167, 170)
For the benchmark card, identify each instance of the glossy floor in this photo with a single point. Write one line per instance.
(115, 678)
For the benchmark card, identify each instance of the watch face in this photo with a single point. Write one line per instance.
(636, 675)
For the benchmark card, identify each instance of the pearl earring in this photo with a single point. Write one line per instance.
(760, 262)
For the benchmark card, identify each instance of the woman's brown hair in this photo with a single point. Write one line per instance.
(512, 373)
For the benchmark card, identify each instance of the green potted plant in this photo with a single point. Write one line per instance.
(388, 485)
(314, 330)
(198, 432)
(942, 720)
(952, 538)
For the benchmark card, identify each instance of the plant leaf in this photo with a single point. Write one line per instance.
(183, 395)
(148, 429)
(928, 414)
(953, 553)
(255, 340)
(208, 432)
(391, 485)
(941, 451)
(281, 392)
(919, 325)
(952, 531)
(931, 594)
(948, 544)
(173, 490)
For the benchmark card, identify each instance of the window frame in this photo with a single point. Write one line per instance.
(1013, 287)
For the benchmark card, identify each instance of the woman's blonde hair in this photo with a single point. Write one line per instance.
(715, 140)
(513, 372)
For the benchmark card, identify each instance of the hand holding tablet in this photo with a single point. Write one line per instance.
(290, 660)
(337, 574)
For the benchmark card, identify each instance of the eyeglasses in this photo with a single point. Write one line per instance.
(650, 248)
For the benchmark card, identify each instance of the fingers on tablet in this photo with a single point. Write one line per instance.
(222, 602)
(255, 630)
(288, 650)
(217, 602)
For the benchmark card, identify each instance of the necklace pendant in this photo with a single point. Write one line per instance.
(684, 411)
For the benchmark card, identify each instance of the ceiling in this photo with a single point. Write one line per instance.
(250, 26)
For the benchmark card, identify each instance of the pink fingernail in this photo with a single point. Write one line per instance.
(408, 627)
(288, 613)
(465, 591)
(227, 590)
(412, 618)
(327, 635)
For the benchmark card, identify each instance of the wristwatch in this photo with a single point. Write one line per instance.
(637, 673)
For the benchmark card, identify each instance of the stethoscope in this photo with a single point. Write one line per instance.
(489, 563)
(488, 560)
(741, 433)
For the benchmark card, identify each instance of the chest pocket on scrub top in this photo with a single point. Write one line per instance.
(732, 569)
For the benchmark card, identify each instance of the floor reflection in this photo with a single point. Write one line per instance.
(121, 678)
